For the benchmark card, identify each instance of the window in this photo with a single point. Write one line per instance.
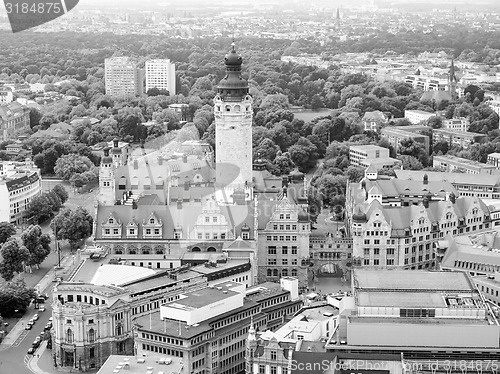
(274, 355)
(294, 261)
(284, 261)
(148, 232)
(107, 231)
(91, 336)
(215, 219)
(91, 352)
(274, 370)
(262, 369)
(69, 336)
(271, 250)
(284, 250)
(115, 231)
(207, 219)
(157, 231)
(294, 250)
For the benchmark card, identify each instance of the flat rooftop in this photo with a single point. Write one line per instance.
(201, 298)
(141, 365)
(401, 299)
(415, 280)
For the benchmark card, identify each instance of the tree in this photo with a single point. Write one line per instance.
(13, 258)
(73, 225)
(39, 208)
(71, 164)
(410, 162)
(35, 117)
(37, 243)
(6, 231)
(304, 155)
(15, 296)
(60, 191)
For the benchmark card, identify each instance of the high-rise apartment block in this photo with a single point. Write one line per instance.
(160, 74)
(123, 77)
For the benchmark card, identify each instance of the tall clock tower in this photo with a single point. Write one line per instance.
(233, 134)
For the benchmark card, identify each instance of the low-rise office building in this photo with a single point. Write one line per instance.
(13, 117)
(494, 159)
(208, 327)
(357, 153)
(20, 182)
(416, 315)
(417, 116)
(462, 165)
(458, 124)
(489, 285)
(396, 134)
(457, 137)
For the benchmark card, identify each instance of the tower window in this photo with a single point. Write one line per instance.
(228, 108)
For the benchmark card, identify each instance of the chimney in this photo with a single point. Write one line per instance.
(426, 202)
(452, 198)
(136, 165)
(106, 152)
(115, 142)
(426, 179)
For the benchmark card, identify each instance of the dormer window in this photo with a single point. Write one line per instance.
(152, 220)
(111, 220)
(131, 231)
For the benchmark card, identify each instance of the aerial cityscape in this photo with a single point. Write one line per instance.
(265, 187)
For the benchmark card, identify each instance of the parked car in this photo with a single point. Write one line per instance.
(28, 326)
(31, 350)
(32, 321)
(48, 326)
(50, 319)
(35, 317)
(41, 309)
(36, 344)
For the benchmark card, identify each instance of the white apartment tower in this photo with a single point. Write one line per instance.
(233, 134)
(160, 74)
(122, 77)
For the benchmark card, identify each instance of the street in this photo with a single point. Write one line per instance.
(13, 351)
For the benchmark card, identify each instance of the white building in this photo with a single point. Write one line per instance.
(357, 153)
(122, 77)
(417, 116)
(19, 184)
(458, 124)
(160, 73)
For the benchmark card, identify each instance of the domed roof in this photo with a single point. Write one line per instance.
(233, 86)
(233, 58)
(359, 215)
(303, 216)
(106, 159)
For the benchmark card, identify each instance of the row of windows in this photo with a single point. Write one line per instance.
(284, 273)
(271, 250)
(163, 339)
(284, 262)
(237, 357)
(417, 313)
(283, 227)
(232, 348)
(282, 238)
(85, 299)
(163, 350)
(489, 291)
(234, 335)
(235, 318)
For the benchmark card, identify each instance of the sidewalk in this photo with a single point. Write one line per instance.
(40, 357)
(45, 282)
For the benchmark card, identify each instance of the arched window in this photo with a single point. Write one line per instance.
(275, 272)
(119, 329)
(69, 336)
(91, 336)
(118, 251)
(132, 251)
(236, 108)
(159, 251)
(211, 249)
(284, 273)
(196, 249)
(145, 251)
(294, 272)
(269, 273)
(228, 108)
